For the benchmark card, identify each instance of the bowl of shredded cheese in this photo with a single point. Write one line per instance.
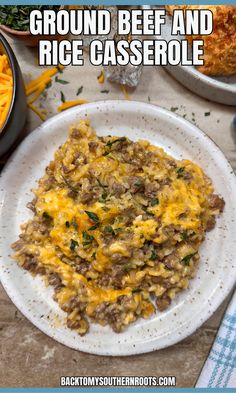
(12, 98)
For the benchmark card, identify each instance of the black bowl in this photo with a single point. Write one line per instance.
(16, 117)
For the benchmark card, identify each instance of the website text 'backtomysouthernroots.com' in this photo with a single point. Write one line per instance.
(118, 381)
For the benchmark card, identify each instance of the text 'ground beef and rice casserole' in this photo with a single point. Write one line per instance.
(116, 229)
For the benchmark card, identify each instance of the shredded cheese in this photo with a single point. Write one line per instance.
(156, 249)
(37, 94)
(38, 85)
(37, 111)
(6, 88)
(101, 77)
(70, 104)
(125, 92)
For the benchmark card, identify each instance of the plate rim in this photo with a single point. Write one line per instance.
(179, 120)
(205, 80)
(215, 83)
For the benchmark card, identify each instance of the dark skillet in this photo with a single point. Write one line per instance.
(16, 117)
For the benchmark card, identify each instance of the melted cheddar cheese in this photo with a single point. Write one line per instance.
(116, 225)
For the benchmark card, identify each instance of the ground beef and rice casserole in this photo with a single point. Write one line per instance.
(116, 229)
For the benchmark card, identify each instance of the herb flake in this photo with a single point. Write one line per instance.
(136, 290)
(153, 256)
(154, 201)
(79, 91)
(73, 244)
(93, 216)
(87, 239)
(187, 258)
(180, 172)
(110, 143)
(72, 188)
(109, 230)
(127, 268)
(63, 98)
(61, 81)
(184, 235)
(94, 227)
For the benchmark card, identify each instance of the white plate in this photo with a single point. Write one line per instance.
(216, 274)
(218, 89)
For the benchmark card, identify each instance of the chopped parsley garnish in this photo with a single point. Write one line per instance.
(184, 235)
(207, 113)
(72, 188)
(103, 197)
(87, 238)
(127, 268)
(154, 201)
(138, 183)
(79, 91)
(93, 216)
(100, 184)
(136, 290)
(74, 224)
(174, 108)
(109, 230)
(104, 194)
(61, 81)
(63, 98)
(110, 143)
(67, 224)
(105, 91)
(73, 244)
(94, 227)
(153, 256)
(187, 258)
(180, 172)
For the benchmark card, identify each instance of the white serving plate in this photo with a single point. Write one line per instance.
(216, 274)
(218, 89)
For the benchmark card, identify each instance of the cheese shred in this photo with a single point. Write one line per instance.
(101, 77)
(38, 85)
(125, 92)
(6, 88)
(117, 228)
(70, 104)
(36, 111)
